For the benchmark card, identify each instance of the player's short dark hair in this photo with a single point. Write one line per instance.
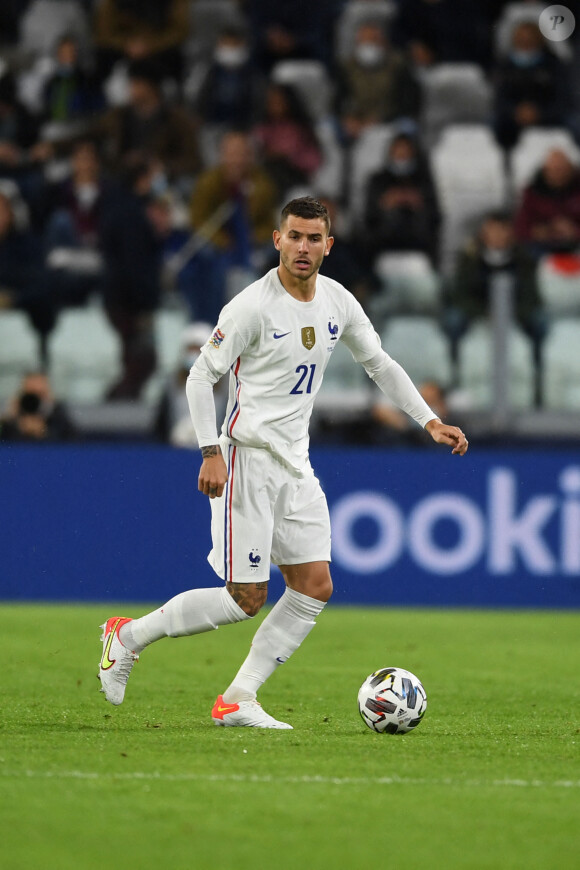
(306, 207)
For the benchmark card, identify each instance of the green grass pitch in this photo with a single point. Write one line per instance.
(490, 779)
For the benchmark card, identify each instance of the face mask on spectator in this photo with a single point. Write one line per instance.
(369, 54)
(159, 184)
(496, 257)
(230, 56)
(525, 59)
(402, 167)
(87, 194)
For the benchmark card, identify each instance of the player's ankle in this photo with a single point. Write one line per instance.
(128, 640)
(235, 694)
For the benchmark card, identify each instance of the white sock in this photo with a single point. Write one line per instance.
(281, 633)
(188, 613)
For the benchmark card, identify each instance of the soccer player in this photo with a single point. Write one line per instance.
(275, 338)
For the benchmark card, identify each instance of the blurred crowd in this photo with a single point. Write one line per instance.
(146, 147)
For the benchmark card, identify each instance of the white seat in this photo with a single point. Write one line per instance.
(469, 175)
(410, 283)
(168, 326)
(518, 13)
(46, 21)
(19, 351)
(531, 149)
(475, 367)
(421, 347)
(345, 386)
(207, 18)
(454, 93)
(368, 155)
(310, 80)
(561, 366)
(85, 355)
(328, 178)
(559, 283)
(355, 13)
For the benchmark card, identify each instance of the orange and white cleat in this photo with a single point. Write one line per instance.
(245, 714)
(117, 661)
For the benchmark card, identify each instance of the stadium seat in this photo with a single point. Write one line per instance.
(561, 366)
(355, 13)
(84, 354)
(207, 18)
(368, 156)
(168, 326)
(475, 367)
(559, 283)
(410, 283)
(517, 13)
(311, 82)
(44, 22)
(421, 347)
(19, 351)
(469, 175)
(345, 389)
(328, 179)
(531, 149)
(453, 93)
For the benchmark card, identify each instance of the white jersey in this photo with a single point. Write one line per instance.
(277, 349)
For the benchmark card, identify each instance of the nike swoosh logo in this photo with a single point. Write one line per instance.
(106, 662)
(281, 335)
(230, 708)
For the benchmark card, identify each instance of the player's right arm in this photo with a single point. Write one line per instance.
(213, 474)
(229, 340)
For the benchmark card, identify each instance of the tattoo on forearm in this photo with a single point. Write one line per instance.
(249, 596)
(210, 450)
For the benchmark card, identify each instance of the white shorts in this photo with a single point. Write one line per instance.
(265, 515)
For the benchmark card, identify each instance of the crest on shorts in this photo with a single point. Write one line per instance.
(308, 337)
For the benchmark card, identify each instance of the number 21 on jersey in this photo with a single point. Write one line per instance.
(305, 372)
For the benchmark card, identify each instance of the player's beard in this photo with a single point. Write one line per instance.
(301, 276)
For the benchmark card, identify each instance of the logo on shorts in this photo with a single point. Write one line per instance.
(217, 338)
(255, 559)
(308, 337)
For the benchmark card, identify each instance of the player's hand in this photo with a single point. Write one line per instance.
(213, 474)
(452, 435)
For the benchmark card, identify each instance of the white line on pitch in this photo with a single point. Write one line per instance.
(156, 776)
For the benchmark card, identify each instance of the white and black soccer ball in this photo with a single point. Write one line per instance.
(392, 701)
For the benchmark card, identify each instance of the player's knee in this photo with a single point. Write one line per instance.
(312, 579)
(318, 586)
(323, 589)
(250, 597)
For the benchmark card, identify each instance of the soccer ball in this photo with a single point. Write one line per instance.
(392, 701)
